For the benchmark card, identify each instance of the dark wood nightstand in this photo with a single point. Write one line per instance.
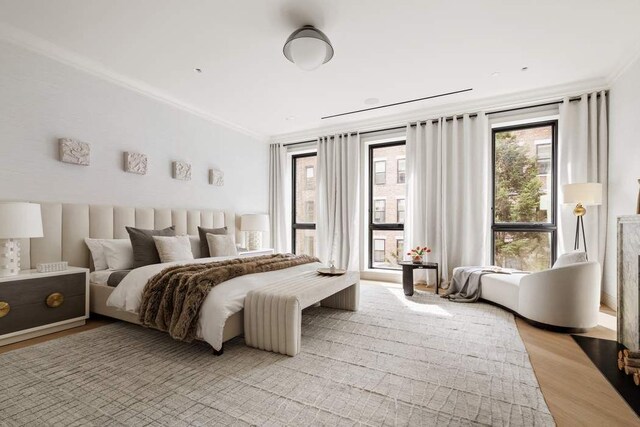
(34, 304)
(407, 274)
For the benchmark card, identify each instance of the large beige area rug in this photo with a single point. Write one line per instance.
(417, 360)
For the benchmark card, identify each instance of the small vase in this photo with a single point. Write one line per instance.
(417, 259)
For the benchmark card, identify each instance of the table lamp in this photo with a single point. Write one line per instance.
(254, 225)
(581, 194)
(17, 221)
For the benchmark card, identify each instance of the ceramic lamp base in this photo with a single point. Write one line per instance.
(254, 240)
(9, 257)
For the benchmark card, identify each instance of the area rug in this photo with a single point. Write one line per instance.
(418, 360)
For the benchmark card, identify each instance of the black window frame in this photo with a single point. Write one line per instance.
(375, 226)
(298, 225)
(541, 227)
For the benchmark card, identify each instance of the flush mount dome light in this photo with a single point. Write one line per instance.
(308, 48)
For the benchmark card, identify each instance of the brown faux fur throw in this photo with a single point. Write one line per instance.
(171, 299)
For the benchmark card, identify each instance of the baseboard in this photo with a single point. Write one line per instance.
(609, 301)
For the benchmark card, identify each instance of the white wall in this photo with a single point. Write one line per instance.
(624, 162)
(42, 100)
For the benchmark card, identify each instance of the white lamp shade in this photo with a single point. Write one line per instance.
(254, 222)
(20, 220)
(588, 193)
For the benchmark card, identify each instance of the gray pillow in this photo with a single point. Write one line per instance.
(204, 246)
(144, 248)
(222, 245)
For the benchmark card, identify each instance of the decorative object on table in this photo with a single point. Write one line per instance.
(182, 171)
(417, 254)
(308, 48)
(332, 270)
(49, 267)
(135, 163)
(254, 225)
(583, 194)
(216, 177)
(74, 151)
(407, 274)
(17, 221)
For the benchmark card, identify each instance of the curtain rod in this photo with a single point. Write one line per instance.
(450, 118)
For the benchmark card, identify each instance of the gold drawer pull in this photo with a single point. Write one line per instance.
(5, 308)
(55, 300)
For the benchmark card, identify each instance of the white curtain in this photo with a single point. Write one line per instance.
(448, 191)
(338, 186)
(582, 157)
(278, 198)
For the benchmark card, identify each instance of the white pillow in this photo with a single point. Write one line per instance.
(119, 254)
(222, 245)
(97, 252)
(173, 248)
(195, 246)
(570, 258)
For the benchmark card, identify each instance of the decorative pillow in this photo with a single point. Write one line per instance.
(569, 258)
(176, 248)
(195, 246)
(144, 248)
(98, 258)
(204, 245)
(119, 254)
(222, 245)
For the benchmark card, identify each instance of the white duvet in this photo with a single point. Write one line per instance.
(224, 300)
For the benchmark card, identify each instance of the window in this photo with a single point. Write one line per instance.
(379, 208)
(380, 167)
(310, 182)
(304, 200)
(378, 250)
(400, 211)
(524, 196)
(401, 171)
(309, 210)
(386, 220)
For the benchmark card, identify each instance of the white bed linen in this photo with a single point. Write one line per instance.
(100, 277)
(223, 300)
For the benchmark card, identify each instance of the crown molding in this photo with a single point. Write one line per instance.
(43, 47)
(512, 100)
(624, 64)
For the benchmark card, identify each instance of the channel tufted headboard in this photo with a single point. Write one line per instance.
(66, 225)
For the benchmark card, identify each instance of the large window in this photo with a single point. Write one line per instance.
(304, 202)
(524, 196)
(387, 192)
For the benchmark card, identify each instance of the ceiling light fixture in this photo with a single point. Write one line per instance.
(308, 48)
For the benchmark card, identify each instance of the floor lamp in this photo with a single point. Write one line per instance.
(582, 195)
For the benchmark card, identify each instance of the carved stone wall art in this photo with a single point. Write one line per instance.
(216, 177)
(182, 171)
(135, 163)
(74, 151)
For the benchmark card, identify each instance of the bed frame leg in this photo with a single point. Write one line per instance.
(218, 352)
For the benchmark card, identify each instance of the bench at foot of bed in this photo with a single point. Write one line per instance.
(273, 314)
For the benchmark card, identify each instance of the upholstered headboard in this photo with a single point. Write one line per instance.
(66, 226)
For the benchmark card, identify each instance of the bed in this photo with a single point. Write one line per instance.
(67, 225)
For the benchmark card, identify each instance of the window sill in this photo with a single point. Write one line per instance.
(392, 276)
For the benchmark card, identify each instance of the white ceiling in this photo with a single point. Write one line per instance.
(391, 50)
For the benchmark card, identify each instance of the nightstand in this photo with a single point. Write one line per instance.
(34, 304)
(257, 252)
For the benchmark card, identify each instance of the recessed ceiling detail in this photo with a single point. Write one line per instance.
(440, 95)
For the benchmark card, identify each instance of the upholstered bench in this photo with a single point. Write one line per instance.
(273, 313)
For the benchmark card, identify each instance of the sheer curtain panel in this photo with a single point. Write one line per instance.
(278, 198)
(338, 187)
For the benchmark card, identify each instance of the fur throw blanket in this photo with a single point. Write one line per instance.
(171, 299)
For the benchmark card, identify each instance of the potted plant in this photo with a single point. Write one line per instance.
(418, 253)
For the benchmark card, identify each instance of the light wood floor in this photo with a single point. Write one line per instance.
(576, 392)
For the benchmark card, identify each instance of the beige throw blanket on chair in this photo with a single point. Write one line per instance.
(171, 299)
